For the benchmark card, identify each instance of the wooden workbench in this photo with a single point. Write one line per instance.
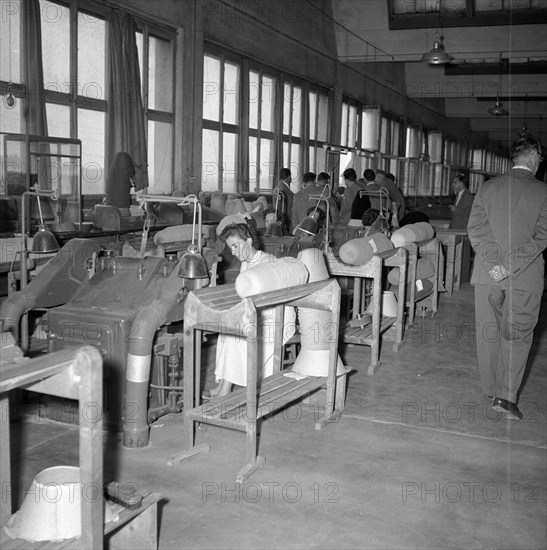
(453, 240)
(371, 334)
(221, 310)
(430, 248)
(73, 373)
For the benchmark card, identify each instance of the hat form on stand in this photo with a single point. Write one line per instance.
(52, 506)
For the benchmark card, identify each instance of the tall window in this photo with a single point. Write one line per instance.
(11, 119)
(156, 60)
(370, 128)
(292, 129)
(220, 123)
(261, 130)
(75, 91)
(349, 135)
(318, 130)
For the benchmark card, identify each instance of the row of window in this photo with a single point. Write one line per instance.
(74, 59)
(249, 133)
(255, 120)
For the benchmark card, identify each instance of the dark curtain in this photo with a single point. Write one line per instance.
(34, 73)
(125, 127)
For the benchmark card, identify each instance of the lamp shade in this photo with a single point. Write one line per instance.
(192, 265)
(436, 56)
(498, 109)
(44, 241)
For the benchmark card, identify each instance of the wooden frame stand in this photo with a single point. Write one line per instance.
(221, 310)
(371, 334)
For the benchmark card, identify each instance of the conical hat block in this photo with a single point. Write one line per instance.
(52, 507)
(218, 202)
(314, 260)
(389, 304)
(268, 276)
(264, 202)
(315, 338)
(315, 362)
(248, 206)
(424, 268)
(239, 206)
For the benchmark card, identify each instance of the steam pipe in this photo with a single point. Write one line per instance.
(136, 431)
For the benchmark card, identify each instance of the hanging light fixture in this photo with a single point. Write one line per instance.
(192, 264)
(10, 99)
(498, 109)
(437, 55)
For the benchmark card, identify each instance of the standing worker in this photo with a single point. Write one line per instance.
(508, 230)
(461, 209)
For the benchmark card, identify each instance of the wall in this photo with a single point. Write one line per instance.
(292, 36)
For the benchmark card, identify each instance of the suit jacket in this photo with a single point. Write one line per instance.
(394, 192)
(461, 213)
(508, 226)
(285, 208)
(347, 201)
(302, 202)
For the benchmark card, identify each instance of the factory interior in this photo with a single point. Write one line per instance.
(236, 295)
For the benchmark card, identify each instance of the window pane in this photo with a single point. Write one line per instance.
(435, 144)
(253, 161)
(313, 165)
(395, 129)
(91, 56)
(321, 160)
(10, 40)
(211, 88)
(266, 163)
(140, 54)
(160, 161)
(297, 112)
(160, 74)
(209, 170)
(287, 91)
(384, 135)
(268, 101)
(253, 99)
(231, 84)
(58, 120)
(353, 126)
(10, 117)
(344, 133)
(369, 137)
(323, 117)
(412, 143)
(55, 22)
(313, 114)
(229, 162)
(295, 166)
(91, 133)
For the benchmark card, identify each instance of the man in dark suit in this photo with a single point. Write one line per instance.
(283, 187)
(461, 209)
(508, 230)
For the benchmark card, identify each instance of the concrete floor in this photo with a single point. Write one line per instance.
(418, 460)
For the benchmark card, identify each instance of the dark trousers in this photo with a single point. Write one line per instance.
(505, 326)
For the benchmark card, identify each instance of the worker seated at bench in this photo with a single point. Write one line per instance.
(231, 353)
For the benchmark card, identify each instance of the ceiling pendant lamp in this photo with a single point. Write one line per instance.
(498, 109)
(437, 55)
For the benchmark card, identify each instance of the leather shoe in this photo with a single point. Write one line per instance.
(509, 409)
